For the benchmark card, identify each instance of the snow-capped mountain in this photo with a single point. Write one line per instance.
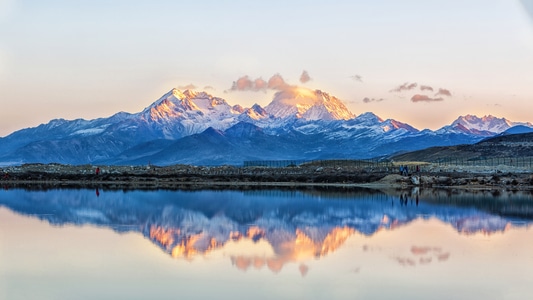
(198, 128)
(254, 114)
(306, 104)
(486, 125)
(178, 114)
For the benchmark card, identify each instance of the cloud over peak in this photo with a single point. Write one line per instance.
(245, 83)
(276, 82)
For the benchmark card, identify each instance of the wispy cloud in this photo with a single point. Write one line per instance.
(426, 88)
(208, 87)
(444, 92)
(405, 87)
(356, 77)
(425, 98)
(189, 86)
(368, 100)
(304, 77)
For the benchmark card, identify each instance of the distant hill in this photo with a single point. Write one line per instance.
(517, 130)
(508, 145)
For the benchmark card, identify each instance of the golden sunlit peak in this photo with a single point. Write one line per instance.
(177, 93)
(183, 94)
(190, 93)
(301, 92)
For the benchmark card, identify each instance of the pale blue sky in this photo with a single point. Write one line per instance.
(88, 59)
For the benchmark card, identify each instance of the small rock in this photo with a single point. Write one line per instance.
(443, 179)
(426, 179)
(461, 181)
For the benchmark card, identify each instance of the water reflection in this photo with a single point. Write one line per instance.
(265, 244)
(296, 225)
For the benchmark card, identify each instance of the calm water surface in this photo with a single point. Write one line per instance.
(267, 244)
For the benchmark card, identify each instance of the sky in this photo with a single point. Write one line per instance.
(420, 62)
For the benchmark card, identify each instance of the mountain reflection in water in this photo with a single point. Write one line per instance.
(297, 225)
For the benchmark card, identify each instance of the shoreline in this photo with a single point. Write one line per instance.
(228, 177)
(153, 183)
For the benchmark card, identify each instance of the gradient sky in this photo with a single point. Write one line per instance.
(90, 59)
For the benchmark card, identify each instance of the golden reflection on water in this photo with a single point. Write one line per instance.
(301, 247)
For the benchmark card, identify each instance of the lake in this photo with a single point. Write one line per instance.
(265, 244)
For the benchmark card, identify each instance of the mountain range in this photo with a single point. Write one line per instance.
(189, 127)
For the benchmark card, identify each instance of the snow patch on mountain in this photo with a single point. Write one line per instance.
(180, 114)
(90, 131)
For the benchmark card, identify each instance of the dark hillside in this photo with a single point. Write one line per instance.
(513, 145)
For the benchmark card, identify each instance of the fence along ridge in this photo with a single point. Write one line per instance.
(318, 163)
(519, 161)
(524, 162)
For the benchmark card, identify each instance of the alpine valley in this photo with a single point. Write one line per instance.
(188, 127)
